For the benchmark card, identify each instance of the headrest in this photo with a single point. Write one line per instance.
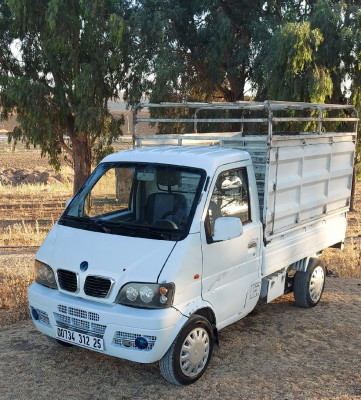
(167, 177)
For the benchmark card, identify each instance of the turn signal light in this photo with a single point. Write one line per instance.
(163, 291)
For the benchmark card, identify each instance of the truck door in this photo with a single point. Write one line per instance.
(231, 268)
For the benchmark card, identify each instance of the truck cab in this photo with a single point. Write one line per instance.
(144, 245)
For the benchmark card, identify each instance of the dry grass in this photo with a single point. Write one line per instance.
(27, 212)
(34, 190)
(346, 263)
(41, 205)
(22, 234)
(15, 279)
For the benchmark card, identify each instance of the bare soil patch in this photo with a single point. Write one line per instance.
(279, 351)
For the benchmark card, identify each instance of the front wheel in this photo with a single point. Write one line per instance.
(309, 285)
(189, 355)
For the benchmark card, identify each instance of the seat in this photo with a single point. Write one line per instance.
(164, 205)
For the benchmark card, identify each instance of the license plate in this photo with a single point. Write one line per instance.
(80, 339)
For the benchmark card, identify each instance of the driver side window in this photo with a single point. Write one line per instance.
(230, 198)
(110, 194)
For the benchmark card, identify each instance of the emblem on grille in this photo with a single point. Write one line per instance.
(83, 266)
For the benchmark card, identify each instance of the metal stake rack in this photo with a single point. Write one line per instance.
(256, 143)
(348, 113)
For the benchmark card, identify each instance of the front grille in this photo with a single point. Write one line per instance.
(97, 328)
(97, 286)
(63, 309)
(127, 340)
(77, 312)
(68, 280)
(79, 325)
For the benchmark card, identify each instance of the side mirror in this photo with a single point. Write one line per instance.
(226, 228)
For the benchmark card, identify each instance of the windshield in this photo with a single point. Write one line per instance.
(143, 200)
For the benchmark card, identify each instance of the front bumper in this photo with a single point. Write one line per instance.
(118, 325)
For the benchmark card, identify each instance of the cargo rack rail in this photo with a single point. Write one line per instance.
(269, 107)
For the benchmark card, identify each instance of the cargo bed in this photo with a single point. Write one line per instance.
(304, 178)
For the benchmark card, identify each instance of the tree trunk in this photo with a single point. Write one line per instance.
(82, 160)
(237, 85)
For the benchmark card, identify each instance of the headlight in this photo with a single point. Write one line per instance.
(146, 295)
(44, 275)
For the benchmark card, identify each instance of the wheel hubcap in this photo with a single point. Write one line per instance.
(194, 352)
(316, 283)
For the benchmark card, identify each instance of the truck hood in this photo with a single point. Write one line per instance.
(122, 259)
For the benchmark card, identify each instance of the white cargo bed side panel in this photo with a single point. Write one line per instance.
(307, 181)
(298, 243)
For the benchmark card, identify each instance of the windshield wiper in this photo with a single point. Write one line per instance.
(112, 227)
(101, 225)
(152, 232)
(88, 221)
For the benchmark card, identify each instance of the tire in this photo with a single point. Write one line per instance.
(190, 353)
(309, 285)
(58, 342)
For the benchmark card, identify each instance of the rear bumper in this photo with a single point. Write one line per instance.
(118, 325)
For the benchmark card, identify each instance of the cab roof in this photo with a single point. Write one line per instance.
(205, 157)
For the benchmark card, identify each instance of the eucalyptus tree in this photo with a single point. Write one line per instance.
(311, 57)
(70, 59)
(196, 49)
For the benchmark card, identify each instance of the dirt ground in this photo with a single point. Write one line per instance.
(279, 351)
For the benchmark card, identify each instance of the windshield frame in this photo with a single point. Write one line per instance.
(103, 225)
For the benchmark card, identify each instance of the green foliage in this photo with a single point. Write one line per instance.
(212, 50)
(194, 50)
(72, 60)
(312, 55)
(289, 68)
(77, 54)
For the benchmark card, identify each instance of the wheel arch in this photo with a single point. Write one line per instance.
(197, 307)
(303, 264)
(208, 313)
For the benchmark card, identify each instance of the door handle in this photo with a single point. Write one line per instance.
(252, 245)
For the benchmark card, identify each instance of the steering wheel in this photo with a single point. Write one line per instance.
(167, 214)
(165, 224)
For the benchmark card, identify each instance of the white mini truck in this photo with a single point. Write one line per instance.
(168, 243)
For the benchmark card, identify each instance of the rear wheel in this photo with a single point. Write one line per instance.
(309, 285)
(189, 355)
